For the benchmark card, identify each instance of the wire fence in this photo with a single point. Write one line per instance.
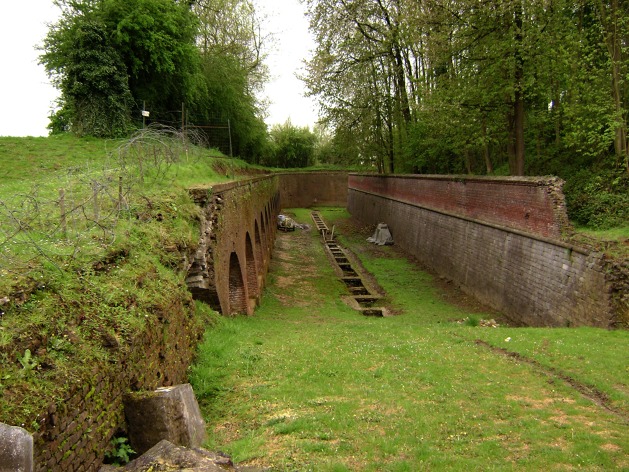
(74, 214)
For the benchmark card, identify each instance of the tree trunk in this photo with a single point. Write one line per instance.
(516, 166)
(488, 164)
(610, 19)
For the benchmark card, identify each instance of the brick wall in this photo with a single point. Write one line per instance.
(530, 204)
(75, 432)
(533, 279)
(308, 189)
(238, 230)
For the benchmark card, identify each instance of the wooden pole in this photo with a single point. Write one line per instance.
(96, 207)
(62, 209)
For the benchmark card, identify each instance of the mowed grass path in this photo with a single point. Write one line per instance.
(309, 384)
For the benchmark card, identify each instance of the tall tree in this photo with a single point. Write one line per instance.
(144, 50)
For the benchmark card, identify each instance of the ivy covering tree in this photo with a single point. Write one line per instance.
(110, 58)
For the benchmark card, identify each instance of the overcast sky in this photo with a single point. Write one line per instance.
(26, 95)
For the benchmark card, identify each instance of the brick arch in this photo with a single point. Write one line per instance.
(237, 290)
(259, 252)
(252, 273)
(269, 234)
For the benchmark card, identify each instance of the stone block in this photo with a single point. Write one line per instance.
(16, 449)
(167, 456)
(170, 413)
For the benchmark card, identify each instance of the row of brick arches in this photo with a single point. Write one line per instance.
(248, 267)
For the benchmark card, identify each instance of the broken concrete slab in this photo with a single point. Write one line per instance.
(16, 449)
(170, 413)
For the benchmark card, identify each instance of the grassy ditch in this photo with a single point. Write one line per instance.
(309, 384)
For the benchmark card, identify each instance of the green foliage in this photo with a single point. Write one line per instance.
(113, 58)
(490, 88)
(598, 199)
(121, 452)
(291, 146)
(92, 77)
(28, 362)
(156, 41)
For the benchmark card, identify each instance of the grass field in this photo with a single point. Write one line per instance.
(309, 384)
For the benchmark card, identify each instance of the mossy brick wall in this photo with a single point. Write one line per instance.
(308, 189)
(75, 432)
(238, 230)
(535, 280)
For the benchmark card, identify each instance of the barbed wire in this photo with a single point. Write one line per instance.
(76, 213)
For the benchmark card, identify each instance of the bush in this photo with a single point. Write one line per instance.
(598, 200)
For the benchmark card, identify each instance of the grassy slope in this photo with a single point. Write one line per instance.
(308, 384)
(61, 299)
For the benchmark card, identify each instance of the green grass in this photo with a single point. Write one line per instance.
(620, 233)
(309, 384)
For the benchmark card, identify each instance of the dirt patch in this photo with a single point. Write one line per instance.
(295, 267)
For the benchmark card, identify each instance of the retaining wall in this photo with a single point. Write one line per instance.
(308, 189)
(74, 433)
(491, 237)
(237, 233)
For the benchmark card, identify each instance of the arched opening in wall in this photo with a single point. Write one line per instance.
(266, 221)
(237, 292)
(252, 274)
(260, 255)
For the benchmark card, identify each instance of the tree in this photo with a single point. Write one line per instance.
(91, 74)
(232, 61)
(291, 146)
(109, 56)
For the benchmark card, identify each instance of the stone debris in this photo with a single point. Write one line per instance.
(491, 323)
(167, 457)
(16, 449)
(170, 413)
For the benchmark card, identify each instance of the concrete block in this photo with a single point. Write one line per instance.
(170, 413)
(16, 449)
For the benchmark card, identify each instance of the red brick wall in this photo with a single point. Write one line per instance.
(231, 280)
(535, 205)
(535, 280)
(308, 189)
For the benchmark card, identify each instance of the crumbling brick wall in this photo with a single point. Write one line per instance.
(74, 433)
(237, 233)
